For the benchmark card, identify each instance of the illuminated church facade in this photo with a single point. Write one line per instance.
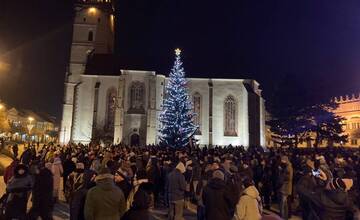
(124, 105)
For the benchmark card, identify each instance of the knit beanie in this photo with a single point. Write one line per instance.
(104, 173)
(80, 166)
(218, 174)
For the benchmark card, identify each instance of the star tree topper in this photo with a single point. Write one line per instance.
(177, 51)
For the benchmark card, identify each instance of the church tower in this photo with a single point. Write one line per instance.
(93, 32)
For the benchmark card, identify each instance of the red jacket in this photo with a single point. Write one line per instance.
(9, 171)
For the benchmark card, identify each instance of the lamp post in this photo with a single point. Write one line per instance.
(30, 125)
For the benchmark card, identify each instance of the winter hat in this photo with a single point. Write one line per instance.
(284, 159)
(21, 170)
(80, 166)
(218, 174)
(180, 166)
(48, 165)
(104, 173)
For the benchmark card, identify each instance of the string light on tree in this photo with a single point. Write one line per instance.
(177, 114)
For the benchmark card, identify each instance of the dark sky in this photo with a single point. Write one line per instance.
(316, 43)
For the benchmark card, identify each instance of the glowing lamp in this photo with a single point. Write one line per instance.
(30, 119)
(92, 10)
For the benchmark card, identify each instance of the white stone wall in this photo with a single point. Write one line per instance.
(85, 108)
(160, 93)
(100, 22)
(202, 87)
(223, 88)
(147, 125)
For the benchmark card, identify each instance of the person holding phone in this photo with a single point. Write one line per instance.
(324, 198)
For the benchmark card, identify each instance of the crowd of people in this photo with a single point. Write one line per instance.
(121, 182)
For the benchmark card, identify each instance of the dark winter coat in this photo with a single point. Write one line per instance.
(69, 167)
(125, 187)
(77, 202)
(196, 172)
(176, 185)
(327, 204)
(217, 200)
(42, 199)
(140, 206)
(18, 189)
(105, 201)
(26, 157)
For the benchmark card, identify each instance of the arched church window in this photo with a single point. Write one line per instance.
(137, 95)
(230, 116)
(197, 111)
(90, 36)
(110, 109)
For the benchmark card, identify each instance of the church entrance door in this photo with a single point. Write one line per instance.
(135, 140)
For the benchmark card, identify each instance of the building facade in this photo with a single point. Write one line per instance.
(349, 108)
(101, 100)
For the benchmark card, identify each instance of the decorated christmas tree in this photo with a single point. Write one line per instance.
(177, 115)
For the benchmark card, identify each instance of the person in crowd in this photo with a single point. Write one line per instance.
(42, 195)
(265, 185)
(140, 179)
(139, 209)
(105, 201)
(15, 150)
(196, 173)
(176, 187)
(26, 156)
(217, 198)
(153, 174)
(328, 202)
(57, 170)
(75, 181)
(69, 166)
(18, 190)
(285, 183)
(83, 181)
(249, 206)
(9, 171)
(122, 182)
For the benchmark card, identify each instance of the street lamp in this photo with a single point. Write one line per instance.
(30, 119)
(30, 125)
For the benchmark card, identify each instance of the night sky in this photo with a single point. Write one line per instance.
(314, 43)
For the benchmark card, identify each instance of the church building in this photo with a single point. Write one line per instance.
(124, 105)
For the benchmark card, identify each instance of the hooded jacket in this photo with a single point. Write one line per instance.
(217, 200)
(105, 201)
(248, 207)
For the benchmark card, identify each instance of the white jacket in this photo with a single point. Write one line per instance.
(249, 206)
